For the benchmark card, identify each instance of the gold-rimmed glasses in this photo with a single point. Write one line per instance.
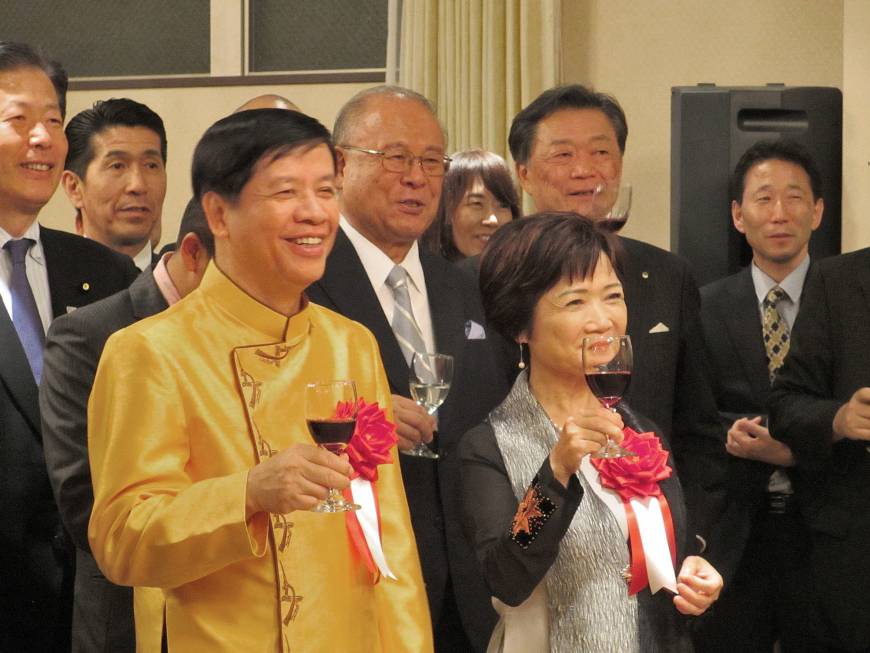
(398, 159)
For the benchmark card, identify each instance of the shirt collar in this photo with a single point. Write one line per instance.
(793, 284)
(223, 291)
(32, 232)
(143, 259)
(377, 264)
(164, 282)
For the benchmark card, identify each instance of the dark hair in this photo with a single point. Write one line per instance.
(102, 115)
(20, 55)
(779, 150)
(193, 221)
(350, 114)
(524, 127)
(527, 257)
(225, 157)
(465, 168)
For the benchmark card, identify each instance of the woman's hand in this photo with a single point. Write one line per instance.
(584, 434)
(698, 585)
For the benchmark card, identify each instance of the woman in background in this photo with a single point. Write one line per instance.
(477, 198)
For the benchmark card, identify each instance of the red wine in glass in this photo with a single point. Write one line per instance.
(332, 434)
(609, 387)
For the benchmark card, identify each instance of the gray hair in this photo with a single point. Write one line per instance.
(353, 109)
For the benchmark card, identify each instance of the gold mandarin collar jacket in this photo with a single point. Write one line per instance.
(183, 405)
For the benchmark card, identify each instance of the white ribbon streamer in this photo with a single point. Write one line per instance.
(654, 538)
(367, 516)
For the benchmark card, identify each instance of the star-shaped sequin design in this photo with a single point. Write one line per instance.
(527, 511)
(533, 511)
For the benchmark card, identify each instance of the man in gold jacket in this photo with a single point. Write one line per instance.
(204, 471)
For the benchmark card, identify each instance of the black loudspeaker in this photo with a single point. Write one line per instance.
(711, 127)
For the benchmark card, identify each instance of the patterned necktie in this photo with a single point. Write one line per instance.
(25, 315)
(404, 325)
(775, 330)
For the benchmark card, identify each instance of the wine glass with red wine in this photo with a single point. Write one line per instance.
(607, 362)
(330, 411)
(618, 215)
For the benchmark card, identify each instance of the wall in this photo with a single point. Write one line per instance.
(856, 126)
(638, 51)
(187, 113)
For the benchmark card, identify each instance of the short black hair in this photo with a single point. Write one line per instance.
(465, 168)
(776, 150)
(525, 258)
(20, 55)
(103, 115)
(524, 127)
(193, 221)
(225, 157)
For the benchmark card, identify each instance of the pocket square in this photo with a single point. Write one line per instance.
(70, 309)
(474, 331)
(660, 328)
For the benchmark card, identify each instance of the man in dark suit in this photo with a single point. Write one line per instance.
(820, 408)
(777, 204)
(115, 176)
(568, 146)
(103, 612)
(391, 163)
(43, 274)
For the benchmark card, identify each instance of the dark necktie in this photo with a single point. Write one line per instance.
(775, 330)
(25, 315)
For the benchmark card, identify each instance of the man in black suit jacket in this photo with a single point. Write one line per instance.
(568, 146)
(391, 163)
(820, 408)
(115, 176)
(777, 204)
(62, 272)
(102, 611)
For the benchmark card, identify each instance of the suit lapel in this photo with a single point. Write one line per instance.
(444, 306)
(145, 296)
(15, 372)
(66, 290)
(346, 284)
(743, 322)
(862, 276)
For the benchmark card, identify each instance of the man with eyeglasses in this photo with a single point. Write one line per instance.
(391, 167)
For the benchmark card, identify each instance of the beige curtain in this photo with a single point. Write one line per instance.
(479, 62)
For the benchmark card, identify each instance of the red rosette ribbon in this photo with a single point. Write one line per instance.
(638, 477)
(373, 438)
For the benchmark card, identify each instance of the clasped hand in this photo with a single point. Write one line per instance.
(853, 418)
(583, 434)
(296, 478)
(698, 586)
(747, 438)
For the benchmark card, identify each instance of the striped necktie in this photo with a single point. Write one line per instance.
(775, 330)
(404, 325)
(25, 315)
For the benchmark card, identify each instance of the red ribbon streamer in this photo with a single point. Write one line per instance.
(638, 477)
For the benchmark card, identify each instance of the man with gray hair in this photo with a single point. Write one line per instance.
(391, 166)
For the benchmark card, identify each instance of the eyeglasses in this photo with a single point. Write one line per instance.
(398, 159)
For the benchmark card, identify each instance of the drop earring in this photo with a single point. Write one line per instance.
(522, 364)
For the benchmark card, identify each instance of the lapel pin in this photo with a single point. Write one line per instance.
(644, 274)
(86, 287)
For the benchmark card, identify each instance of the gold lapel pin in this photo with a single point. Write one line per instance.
(86, 287)
(644, 274)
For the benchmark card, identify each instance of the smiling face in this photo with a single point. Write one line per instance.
(121, 195)
(574, 152)
(274, 239)
(777, 214)
(477, 217)
(391, 209)
(570, 311)
(32, 145)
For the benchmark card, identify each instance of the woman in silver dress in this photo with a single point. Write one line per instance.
(570, 555)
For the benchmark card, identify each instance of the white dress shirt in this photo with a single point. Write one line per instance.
(37, 274)
(378, 266)
(143, 259)
(793, 286)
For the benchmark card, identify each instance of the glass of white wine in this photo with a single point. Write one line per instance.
(431, 376)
